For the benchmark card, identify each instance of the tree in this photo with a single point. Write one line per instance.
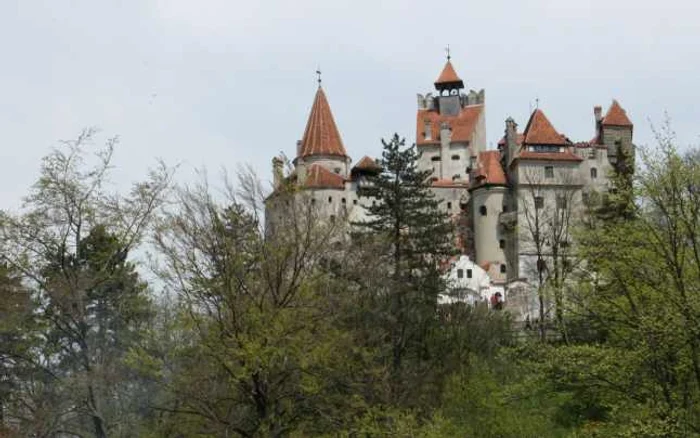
(259, 354)
(639, 293)
(70, 246)
(411, 238)
(548, 216)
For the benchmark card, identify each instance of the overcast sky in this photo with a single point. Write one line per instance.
(212, 83)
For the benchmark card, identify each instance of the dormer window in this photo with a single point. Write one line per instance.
(544, 148)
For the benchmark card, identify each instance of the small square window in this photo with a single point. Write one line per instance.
(449, 206)
(503, 268)
(539, 202)
(561, 202)
(469, 273)
(455, 157)
(502, 243)
(482, 210)
(330, 199)
(460, 273)
(354, 202)
(343, 201)
(594, 173)
(549, 172)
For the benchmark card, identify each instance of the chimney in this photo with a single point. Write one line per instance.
(598, 115)
(277, 174)
(511, 136)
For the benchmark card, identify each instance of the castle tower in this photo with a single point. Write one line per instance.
(489, 201)
(321, 143)
(450, 133)
(614, 130)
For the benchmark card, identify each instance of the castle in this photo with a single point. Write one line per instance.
(515, 204)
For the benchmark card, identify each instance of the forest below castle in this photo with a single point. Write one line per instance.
(182, 311)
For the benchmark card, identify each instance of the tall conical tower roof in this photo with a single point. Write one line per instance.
(321, 136)
(448, 78)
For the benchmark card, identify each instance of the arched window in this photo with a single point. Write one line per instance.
(330, 199)
(482, 210)
(503, 268)
(594, 173)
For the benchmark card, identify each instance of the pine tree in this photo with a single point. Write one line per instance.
(417, 239)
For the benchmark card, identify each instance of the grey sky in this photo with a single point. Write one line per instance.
(216, 83)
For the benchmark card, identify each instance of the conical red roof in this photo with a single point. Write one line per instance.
(539, 130)
(616, 116)
(448, 77)
(321, 136)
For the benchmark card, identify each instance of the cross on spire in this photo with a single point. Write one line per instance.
(318, 76)
(447, 50)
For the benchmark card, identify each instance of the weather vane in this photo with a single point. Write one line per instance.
(318, 74)
(447, 50)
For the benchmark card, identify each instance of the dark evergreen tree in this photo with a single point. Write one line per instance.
(416, 239)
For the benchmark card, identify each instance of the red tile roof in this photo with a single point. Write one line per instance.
(539, 130)
(549, 156)
(321, 136)
(490, 170)
(616, 116)
(462, 125)
(318, 177)
(448, 75)
(367, 163)
(448, 183)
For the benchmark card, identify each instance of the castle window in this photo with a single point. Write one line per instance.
(549, 172)
(482, 210)
(343, 201)
(455, 157)
(594, 173)
(332, 218)
(460, 273)
(337, 170)
(544, 148)
(354, 202)
(449, 206)
(330, 199)
(469, 273)
(503, 268)
(539, 202)
(435, 158)
(561, 202)
(313, 201)
(502, 243)
(505, 209)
